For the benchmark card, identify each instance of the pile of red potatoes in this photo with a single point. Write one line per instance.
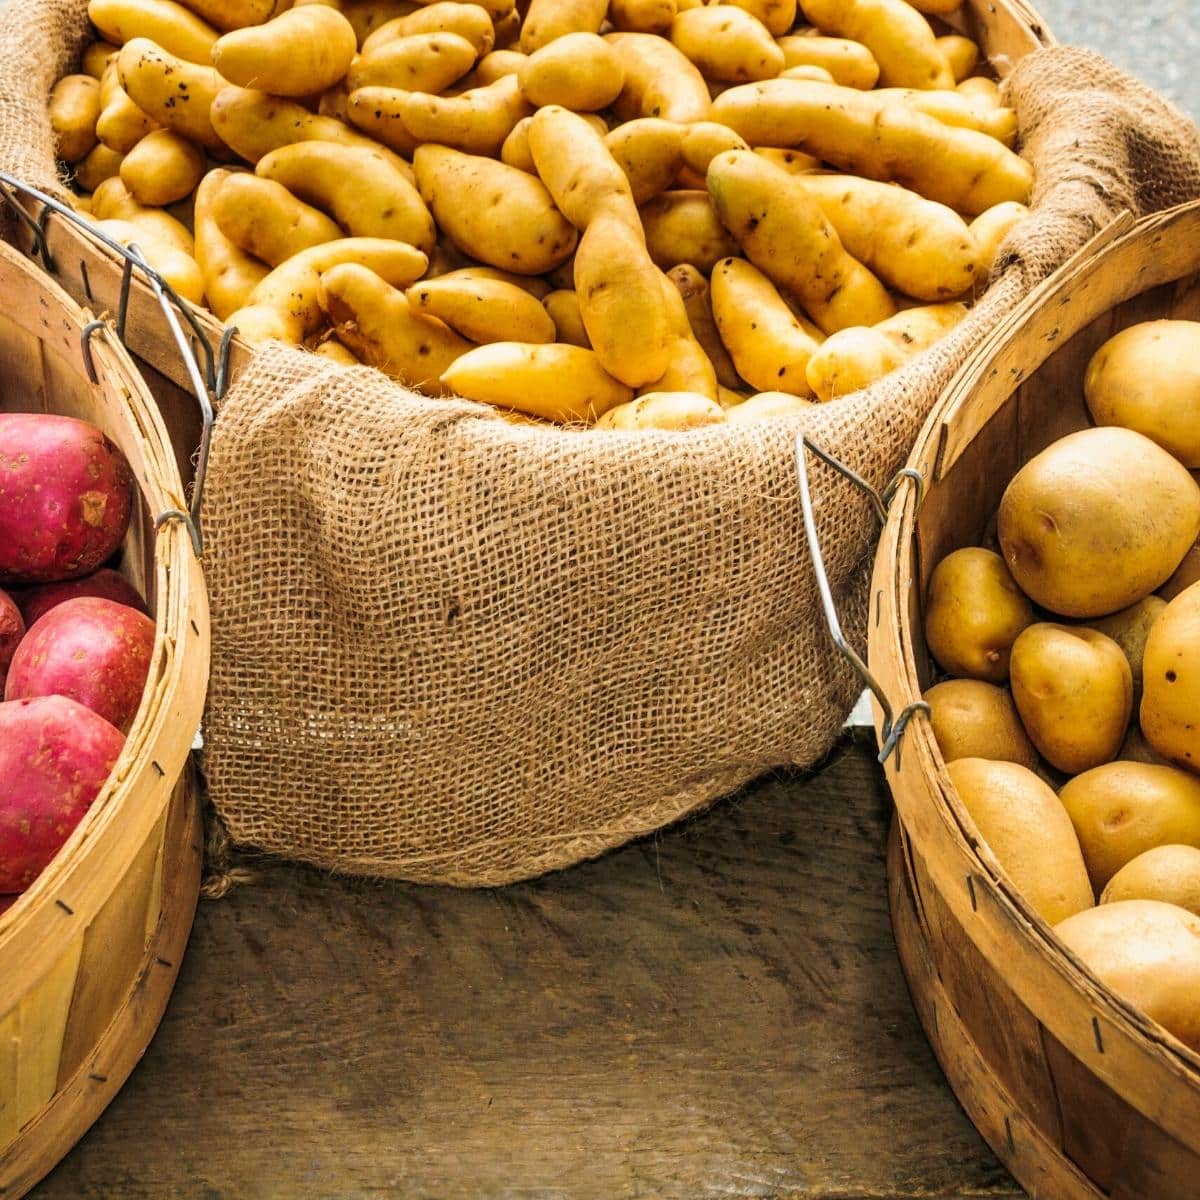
(75, 639)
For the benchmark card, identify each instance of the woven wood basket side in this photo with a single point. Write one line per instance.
(89, 954)
(1079, 1093)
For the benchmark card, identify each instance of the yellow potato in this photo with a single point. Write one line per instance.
(265, 220)
(643, 16)
(688, 366)
(989, 230)
(483, 310)
(981, 90)
(973, 719)
(1130, 628)
(99, 164)
(1122, 809)
(898, 37)
(286, 305)
(422, 62)
(112, 199)
(784, 233)
(914, 245)
(96, 57)
(703, 141)
(162, 169)
(682, 227)
(664, 410)
(1074, 690)
(74, 108)
(298, 53)
(175, 265)
(359, 188)
(853, 359)
(547, 20)
(333, 350)
(694, 290)
(1027, 829)
(121, 124)
(1147, 377)
(729, 398)
(562, 306)
(177, 31)
(1169, 874)
(728, 44)
(961, 54)
(973, 614)
(173, 92)
(228, 272)
(493, 212)
(1187, 573)
(659, 80)
(850, 63)
(534, 285)
(777, 15)
(556, 382)
(378, 324)
(650, 152)
(1097, 521)
(580, 71)
(234, 14)
(1171, 681)
(1149, 954)
(770, 345)
(940, 8)
(469, 21)
(878, 138)
(819, 74)
(766, 406)
(794, 162)
(476, 121)
(955, 108)
(492, 66)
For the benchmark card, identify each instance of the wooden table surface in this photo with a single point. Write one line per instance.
(715, 1012)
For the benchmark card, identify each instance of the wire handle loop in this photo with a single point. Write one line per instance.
(207, 381)
(893, 725)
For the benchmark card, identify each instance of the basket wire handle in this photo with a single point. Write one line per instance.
(893, 725)
(205, 384)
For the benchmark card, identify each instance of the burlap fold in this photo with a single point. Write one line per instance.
(450, 649)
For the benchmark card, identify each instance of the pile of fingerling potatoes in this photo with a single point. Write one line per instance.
(1070, 721)
(623, 213)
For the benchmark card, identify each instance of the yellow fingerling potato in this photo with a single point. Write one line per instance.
(286, 305)
(580, 71)
(964, 112)
(794, 162)
(694, 290)
(264, 219)
(469, 21)
(74, 109)
(659, 80)
(112, 199)
(880, 139)
(376, 321)
(899, 38)
(167, 24)
(333, 350)
(516, 153)
(981, 90)
(495, 65)
(961, 53)
(81, 202)
(785, 234)
(777, 15)
(676, 411)
(650, 152)
(366, 16)
(914, 245)
(683, 227)
(939, 8)
(99, 164)
(562, 306)
(175, 93)
(855, 358)
(423, 62)
(301, 52)
(727, 44)
(121, 124)
(476, 121)
(818, 74)
(228, 272)
(643, 16)
(557, 382)
(989, 230)
(493, 212)
(850, 63)
(359, 188)
(770, 345)
(96, 57)
(234, 14)
(162, 168)
(175, 265)
(767, 406)
(703, 141)
(547, 20)
(483, 310)
(533, 284)
(689, 368)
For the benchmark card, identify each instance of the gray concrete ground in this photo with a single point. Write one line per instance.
(1158, 41)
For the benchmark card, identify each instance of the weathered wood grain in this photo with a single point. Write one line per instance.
(716, 1012)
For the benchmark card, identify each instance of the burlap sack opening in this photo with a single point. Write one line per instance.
(453, 650)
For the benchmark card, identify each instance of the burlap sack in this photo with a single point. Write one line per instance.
(454, 650)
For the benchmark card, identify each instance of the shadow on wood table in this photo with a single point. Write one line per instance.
(715, 1012)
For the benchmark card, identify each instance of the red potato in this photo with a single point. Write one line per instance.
(93, 650)
(54, 758)
(12, 630)
(65, 498)
(106, 583)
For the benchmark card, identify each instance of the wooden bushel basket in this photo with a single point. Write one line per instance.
(89, 954)
(1078, 1092)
